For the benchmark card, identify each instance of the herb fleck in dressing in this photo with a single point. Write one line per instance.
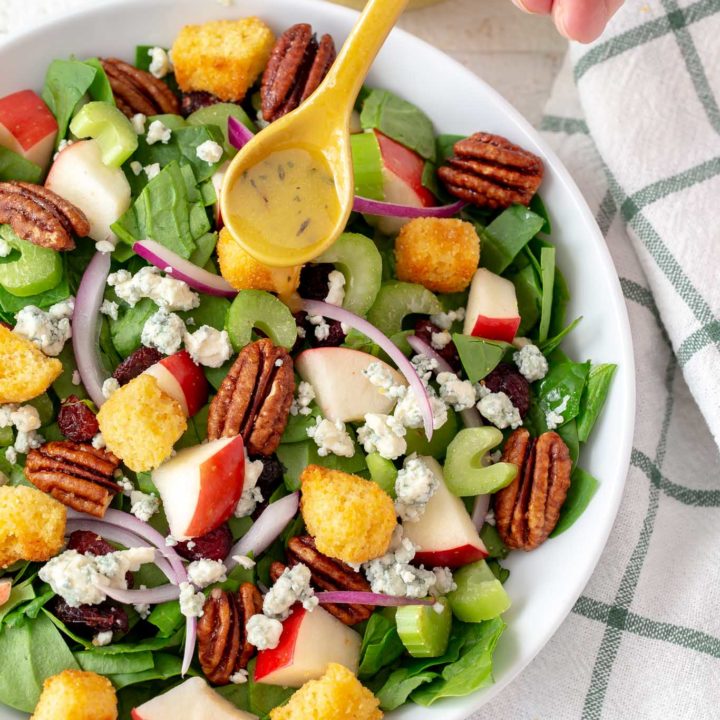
(289, 197)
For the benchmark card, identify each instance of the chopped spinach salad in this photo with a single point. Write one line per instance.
(256, 492)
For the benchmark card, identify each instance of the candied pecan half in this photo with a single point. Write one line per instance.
(40, 216)
(77, 474)
(297, 66)
(254, 398)
(527, 510)
(327, 574)
(490, 171)
(223, 648)
(137, 91)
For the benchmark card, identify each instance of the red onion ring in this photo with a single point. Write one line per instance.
(480, 510)
(86, 326)
(238, 135)
(272, 521)
(181, 269)
(153, 596)
(385, 209)
(470, 417)
(351, 597)
(316, 307)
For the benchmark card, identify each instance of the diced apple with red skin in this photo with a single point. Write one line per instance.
(492, 309)
(180, 378)
(341, 390)
(27, 127)
(200, 486)
(402, 174)
(445, 533)
(5, 590)
(310, 641)
(101, 192)
(192, 699)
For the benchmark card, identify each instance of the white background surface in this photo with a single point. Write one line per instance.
(516, 53)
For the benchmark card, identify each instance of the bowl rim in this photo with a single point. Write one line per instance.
(625, 423)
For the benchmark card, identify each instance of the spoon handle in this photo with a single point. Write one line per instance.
(360, 49)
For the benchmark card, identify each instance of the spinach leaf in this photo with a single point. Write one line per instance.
(66, 83)
(400, 685)
(13, 304)
(166, 617)
(561, 298)
(212, 311)
(204, 250)
(165, 666)
(100, 88)
(297, 426)
(147, 645)
(381, 644)
(16, 167)
(569, 433)
(164, 213)
(65, 630)
(479, 357)
(551, 344)
(593, 400)
(30, 654)
(143, 60)
(430, 179)
(263, 698)
(561, 390)
(583, 487)
(236, 577)
(126, 331)
(64, 385)
(472, 671)
(506, 236)
(538, 207)
(400, 120)
(528, 291)
(547, 271)
(493, 543)
(19, 594)
(445, 146)
(104, 664)
(238, 695)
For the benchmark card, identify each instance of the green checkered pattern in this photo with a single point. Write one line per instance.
(635, 118)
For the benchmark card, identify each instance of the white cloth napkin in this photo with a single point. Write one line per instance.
(635, 118)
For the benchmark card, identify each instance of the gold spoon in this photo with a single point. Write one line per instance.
(288, 193)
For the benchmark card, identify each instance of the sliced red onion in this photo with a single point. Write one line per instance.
(377, 207)
(152, 596)
(480, 510)
(86, 326)
(238, 135)
(470, 417)
(190, 640)
(351, 597)
(316, 307)
(181, 269)
(265, 529)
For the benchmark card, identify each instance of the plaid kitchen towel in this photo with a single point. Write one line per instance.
(636, 119)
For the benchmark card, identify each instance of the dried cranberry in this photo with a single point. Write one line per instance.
(314, 281)
(6, 325)
(505, 378)
(77, 422)
(270, 479)
(425, 329)
(214, 545)
(84, 541)
(91, 619)
(335, 336)
(193, 101)
(136, 364)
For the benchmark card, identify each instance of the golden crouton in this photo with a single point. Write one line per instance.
(222, 57)
(441, 254)
(77, 695)
(32, 525)
(350, 518)
(25, 372)
(337, 695)
(244, 272)
(140, 423)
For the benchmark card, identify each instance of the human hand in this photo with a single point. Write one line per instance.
(582, 20)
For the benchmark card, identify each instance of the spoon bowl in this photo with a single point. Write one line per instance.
(288, 193)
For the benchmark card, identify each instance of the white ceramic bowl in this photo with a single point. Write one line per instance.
(545, 584)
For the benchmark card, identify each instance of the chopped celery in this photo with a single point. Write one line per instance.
(424, 631)
(259, 309)
(383, 472)
(112, 130)
(396, 300)
(479, 595)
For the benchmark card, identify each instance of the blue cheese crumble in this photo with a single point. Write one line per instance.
(49, 330)
(293, 586)
(554, 417)
(202, 573)
(163, 331)
(263, 632)
(305, 396)
(166, 292)
(331, 437)
(143, 505)
(251, 494)
(158, 132)
(531, 363)
(336, 288)
(383, 434)
(208, 346)
(499, 410)
(458, 394)
(191, 603)
(415, 485)
(160, 64)
(209, 152)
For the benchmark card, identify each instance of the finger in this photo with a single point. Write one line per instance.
(583, 20)
(539, 7)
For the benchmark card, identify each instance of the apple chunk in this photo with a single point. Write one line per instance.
(310, 641)
(27, 127)
(341, 390)
(445, 534)
(492, 309)
(5, 590)
(101, 192)
(201, 486)
(180, 378)
(192, 699)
